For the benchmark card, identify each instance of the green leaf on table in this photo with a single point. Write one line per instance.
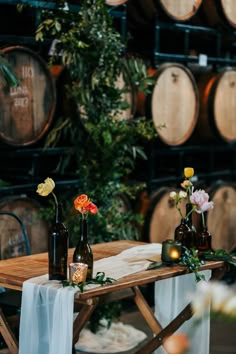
(99, 279)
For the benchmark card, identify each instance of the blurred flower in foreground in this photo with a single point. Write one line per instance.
(178, 343)
(219, 297)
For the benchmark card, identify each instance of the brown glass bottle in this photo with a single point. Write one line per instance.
(182, 233)
(83, 252)
(58, 242)
(204, 240)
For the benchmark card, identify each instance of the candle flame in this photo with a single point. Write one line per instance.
(174, 254)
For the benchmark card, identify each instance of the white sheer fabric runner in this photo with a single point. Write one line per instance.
(47, 308)
(46, 317)
(171, 296)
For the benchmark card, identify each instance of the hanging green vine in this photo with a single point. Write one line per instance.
(107, 147)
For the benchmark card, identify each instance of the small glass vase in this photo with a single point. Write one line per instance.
(204, 240)
(182, 233)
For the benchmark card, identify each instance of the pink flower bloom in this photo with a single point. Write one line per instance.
(201, 199)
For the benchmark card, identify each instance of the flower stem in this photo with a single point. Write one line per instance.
(180, 212)
(203, 220)
(55, 199)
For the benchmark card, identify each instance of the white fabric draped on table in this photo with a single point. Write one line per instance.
(47, 308)
(171, 296)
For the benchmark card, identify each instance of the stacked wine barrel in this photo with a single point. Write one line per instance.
(28, 109)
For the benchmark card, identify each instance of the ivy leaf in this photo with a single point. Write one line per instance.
(100, 279)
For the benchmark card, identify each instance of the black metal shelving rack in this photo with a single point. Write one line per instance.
(218, 56)
(213, 160)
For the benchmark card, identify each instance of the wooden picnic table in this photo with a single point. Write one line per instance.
(13, 272)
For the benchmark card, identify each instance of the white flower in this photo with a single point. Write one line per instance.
(201, 299)
(230, 306)
(182, 195)
(220, 297)
(173, 195)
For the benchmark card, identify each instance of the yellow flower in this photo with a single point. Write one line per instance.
(46, 188)
(188, 172)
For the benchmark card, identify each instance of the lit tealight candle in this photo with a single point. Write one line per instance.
(78, 272)
(174, 254)
(171, 251)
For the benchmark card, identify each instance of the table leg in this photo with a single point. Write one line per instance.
(157, 341)
(8, 335)
(82, 318)
(146, 311)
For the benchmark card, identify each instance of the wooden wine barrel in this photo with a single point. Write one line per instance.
(221, 220)
(66, 105)
(180, 10)
(123, 202)
(26, 110)
(173, 104)
(124, 83)
(115, 2)
(217, 95)
(219, 13)
(141, 15)
(11, 236)
(161, 217)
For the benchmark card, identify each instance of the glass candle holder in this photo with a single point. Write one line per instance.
(171, 251)
(78, 272)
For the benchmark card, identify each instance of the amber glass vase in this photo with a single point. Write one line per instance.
(204, 240)
(182, 232)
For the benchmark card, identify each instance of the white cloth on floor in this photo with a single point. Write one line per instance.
(171, 296)
(47, 308)
(119, 337)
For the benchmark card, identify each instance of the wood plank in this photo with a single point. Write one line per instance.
(13, 272)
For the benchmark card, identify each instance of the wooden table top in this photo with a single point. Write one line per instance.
(14, 271)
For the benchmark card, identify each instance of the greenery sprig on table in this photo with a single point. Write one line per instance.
(191, 259)
(99, 279)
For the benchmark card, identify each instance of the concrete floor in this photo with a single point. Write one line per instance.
(222, 336)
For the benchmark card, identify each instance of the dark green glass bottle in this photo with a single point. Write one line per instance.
(83, 252)
(58, 243)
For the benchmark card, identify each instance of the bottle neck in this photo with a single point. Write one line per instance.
(58, 213)
(83, 229)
